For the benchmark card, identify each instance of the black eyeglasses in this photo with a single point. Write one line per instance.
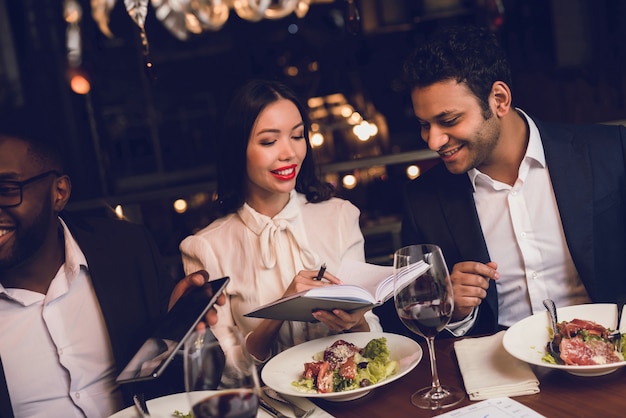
(11, 192)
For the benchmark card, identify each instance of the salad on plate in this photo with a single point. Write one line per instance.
(344, 366)
(582, 342)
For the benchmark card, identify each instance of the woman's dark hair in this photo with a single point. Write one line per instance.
(247, 104)
(468, 54)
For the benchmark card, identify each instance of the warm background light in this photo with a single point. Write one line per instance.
(119, 212)
(180, 206)
(413, 171)
(349, 181)
(365, 130)
(317, 139)
(80, 84)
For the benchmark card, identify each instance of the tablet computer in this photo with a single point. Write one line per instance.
(168, 337)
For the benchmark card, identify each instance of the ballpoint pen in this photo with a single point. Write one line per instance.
(320, 274)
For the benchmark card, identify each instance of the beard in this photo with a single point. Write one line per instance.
(29, 239)
(484, 142)
(479, 147)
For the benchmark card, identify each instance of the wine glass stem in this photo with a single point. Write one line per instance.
(436, 386)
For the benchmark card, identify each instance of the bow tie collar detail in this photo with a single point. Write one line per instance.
(280, 233)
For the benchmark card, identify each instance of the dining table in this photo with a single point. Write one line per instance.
(561, 394)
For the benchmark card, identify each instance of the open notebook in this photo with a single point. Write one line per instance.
(364, 287)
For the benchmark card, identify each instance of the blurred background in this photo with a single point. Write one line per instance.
(135, 97)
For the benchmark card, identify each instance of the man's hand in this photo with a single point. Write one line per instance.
(470, 281)
(197, 279)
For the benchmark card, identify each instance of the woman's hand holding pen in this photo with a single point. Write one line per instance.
(260, 340)
(337, 319)
(307, 279)
(320, 274)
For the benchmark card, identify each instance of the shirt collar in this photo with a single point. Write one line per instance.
(74, 257)
(257, 221)
(534, 150)
(535, 147)
(286, 227)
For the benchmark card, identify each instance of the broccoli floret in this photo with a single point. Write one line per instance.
(377, 350)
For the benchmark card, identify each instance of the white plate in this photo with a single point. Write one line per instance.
(288, 366)
(165, 406)
(527, 339)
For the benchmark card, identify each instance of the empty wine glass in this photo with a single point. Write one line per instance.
(220, 383)
(424, 302)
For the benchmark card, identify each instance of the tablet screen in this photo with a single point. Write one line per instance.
(159, 350)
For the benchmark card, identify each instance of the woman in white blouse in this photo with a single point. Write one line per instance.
(278, 223)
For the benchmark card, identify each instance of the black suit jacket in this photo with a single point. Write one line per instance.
(132, 287)
(587, 166)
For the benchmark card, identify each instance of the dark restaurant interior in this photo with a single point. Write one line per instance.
(139, 141)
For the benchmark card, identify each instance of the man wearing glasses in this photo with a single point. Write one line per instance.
(11, 194)
(77, 298)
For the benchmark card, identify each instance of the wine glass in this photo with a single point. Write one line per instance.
(220, 383)
(424, 302)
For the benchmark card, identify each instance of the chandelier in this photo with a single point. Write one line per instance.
(182, 18)
(186, 17)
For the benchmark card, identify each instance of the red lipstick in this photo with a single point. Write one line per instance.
(285, 173)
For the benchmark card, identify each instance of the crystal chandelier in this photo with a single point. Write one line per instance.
(182, 18)
(185, 17)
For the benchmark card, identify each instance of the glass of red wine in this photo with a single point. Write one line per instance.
(424, 302)
(220, 382)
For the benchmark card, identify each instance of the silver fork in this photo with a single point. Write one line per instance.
(297, 411)
(141, 405)
(553, 347)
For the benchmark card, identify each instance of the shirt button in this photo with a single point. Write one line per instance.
(60, 351)
(534, 275)
(77, 394)
(523, 234)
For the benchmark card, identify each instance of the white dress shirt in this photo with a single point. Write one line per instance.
(262, 255)
(55, 347)
(524, 235)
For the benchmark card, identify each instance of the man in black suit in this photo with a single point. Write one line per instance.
(523, 210)
(77, 297)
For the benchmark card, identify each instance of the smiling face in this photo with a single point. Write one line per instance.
(276, 149)
(454, 125)
(25, 229)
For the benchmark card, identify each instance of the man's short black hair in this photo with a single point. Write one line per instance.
(44, 146)
(468, 54)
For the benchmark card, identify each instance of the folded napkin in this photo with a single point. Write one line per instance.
(489, 371)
